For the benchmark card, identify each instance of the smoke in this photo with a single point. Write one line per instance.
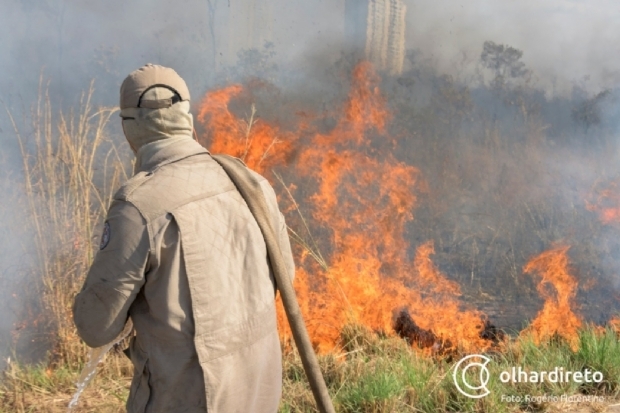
(15, 256)
(569, 46)
(75, 41)
(563, 41)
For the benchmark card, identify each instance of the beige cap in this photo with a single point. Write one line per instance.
(148, 76)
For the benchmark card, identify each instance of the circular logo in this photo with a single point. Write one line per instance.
(461, 368)
(105, 236)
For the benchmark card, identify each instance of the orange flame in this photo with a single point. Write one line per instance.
(437, 308)
(354, 290)
(614, 323)
(556, 317)
(605, 201)
(257, 143)
(361, 198)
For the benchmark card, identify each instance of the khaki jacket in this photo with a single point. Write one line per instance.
(185, 258)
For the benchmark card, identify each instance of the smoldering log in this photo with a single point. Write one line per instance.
(407, 329)
(492, 333)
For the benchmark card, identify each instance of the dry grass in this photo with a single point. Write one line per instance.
(71, 169)
(48, 389)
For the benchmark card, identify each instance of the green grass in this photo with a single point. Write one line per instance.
(371, 374)
(385, 375)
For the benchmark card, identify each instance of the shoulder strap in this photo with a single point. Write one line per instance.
(251, 191)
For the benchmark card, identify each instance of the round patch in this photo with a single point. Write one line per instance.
(105, 237)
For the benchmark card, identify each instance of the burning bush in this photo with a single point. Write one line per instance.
(363, 199)
(359, 194)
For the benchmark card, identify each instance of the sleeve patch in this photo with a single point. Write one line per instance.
(105, 236)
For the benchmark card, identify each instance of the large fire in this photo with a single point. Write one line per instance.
(363, 199)
(359, 197)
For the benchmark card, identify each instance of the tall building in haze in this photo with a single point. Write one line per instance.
(250, 25)
(376, 28)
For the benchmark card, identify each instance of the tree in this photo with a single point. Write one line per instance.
(253, 63)
(588, 112)
(504, 61)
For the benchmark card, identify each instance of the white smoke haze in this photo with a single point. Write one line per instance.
(564, 43)
(16, 253)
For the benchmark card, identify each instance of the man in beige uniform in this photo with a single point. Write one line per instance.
(182, 255)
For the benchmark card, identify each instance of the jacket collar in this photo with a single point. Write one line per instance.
(157, 154)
